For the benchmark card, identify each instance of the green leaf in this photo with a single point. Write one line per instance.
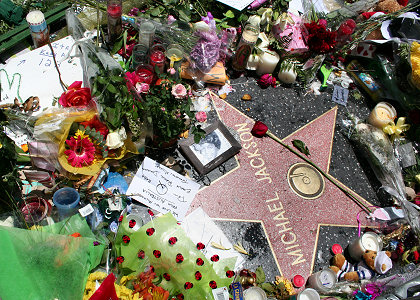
(268, 287)
(183, 16)
(298, 144)
(156, 11)
(242, 18)
(117, 46)
(111, 88)
(229, 14)
(101, 80)
(260, 275)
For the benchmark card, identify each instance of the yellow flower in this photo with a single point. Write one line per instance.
(81, 134)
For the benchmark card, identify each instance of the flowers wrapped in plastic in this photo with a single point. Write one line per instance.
(81, 140)
(377, 148)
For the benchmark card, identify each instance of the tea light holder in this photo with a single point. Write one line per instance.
(382, 114)
(254, 293)
(367, 241)
(308, 294)
(323, 280)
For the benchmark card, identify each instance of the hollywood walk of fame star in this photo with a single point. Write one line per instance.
(275, 187)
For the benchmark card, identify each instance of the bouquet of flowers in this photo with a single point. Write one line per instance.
(378, 150)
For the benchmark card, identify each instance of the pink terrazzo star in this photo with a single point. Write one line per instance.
(260, 189)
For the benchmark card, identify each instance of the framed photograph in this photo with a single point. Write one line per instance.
(216, 147)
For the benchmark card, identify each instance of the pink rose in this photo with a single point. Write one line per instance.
(75, 95)
(142, 87)
(179, 91)
(322, 22)
(201, 116)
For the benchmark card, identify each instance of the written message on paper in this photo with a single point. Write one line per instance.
(162, 189)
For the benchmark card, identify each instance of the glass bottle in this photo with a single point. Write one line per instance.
(245, 46)
(114, 10)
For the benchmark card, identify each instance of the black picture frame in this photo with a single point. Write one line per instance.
(215, 148)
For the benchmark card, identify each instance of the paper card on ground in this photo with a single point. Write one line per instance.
(201, 228)
(34, 74)
(237, 4)
(162, 189)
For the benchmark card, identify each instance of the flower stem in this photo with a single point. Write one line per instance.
(346, 191)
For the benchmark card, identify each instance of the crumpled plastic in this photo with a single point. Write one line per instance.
(47, 263)
(165, 245)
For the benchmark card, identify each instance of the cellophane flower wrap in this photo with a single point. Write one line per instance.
(374, 144)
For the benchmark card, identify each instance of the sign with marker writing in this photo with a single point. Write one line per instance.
(162, 189)
(34, 74)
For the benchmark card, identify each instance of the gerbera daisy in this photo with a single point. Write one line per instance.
(81, 152)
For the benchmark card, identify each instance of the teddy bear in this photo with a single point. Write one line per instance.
(373, 262)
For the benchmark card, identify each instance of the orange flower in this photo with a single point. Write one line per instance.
(160, 293)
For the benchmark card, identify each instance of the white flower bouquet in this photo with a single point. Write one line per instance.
(378, 150)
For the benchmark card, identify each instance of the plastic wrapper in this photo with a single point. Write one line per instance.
(46, 265)
(88, 49)
(379, 152)
(176, 33)
(173, 255)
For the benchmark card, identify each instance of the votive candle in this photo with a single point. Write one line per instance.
(382, 114)
(367, 241)
(268, 62)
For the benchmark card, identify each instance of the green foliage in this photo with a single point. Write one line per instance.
(298, 144)
(260, 275)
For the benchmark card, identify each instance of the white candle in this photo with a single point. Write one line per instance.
(322, 280)
(268, 62)
(382, 114)
(253, 61)
(308, 294)
(368, 241)
(254, 293)
(287, 76)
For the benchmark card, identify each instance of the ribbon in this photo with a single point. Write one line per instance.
(87, 35)
(395, 130)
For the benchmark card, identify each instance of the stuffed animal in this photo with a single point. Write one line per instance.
(373, 262)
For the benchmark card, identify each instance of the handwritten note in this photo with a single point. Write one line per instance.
(162, 189)
(237, 4)
(34, 74)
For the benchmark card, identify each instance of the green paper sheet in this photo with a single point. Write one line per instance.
(166, 227)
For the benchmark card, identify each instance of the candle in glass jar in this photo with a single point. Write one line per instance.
(157, 57)
(38, 27)
(268, 62)
(322, 280)
(114, 10)
(254, 293)
(145, 73)
(245, 46)
(382, 114)
(368, 241)
(308, 294)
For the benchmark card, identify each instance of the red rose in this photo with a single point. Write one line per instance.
(416, 256)
(75, 95)
(259, 129)
(266, 80)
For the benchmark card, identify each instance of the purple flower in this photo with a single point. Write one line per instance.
(209, 20)
(205, 53)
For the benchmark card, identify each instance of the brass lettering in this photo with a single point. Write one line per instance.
(275, 208)
(285, 229)
(263, 173)
(288, 242)
(247, 146)
(274, 199)
(259, 166)
(299, 255)
(293, 246)
(280, 217)
(242, 127)
(255, 154)
(243, 139)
